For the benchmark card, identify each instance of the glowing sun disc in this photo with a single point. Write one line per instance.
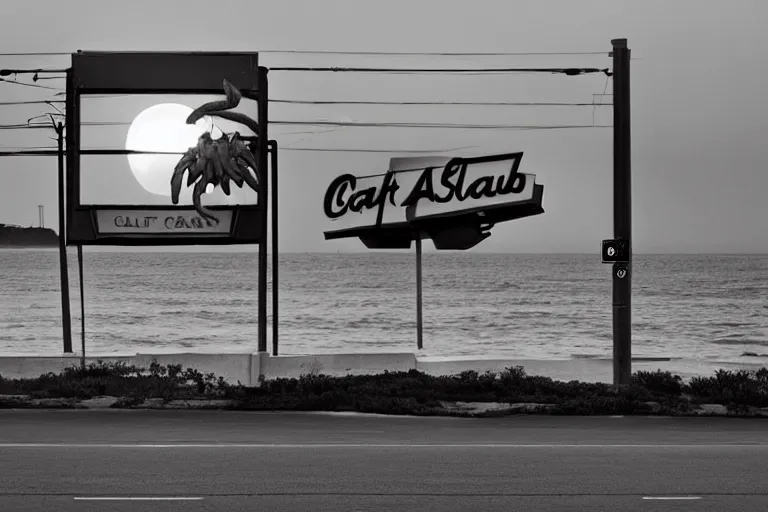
(160, 127)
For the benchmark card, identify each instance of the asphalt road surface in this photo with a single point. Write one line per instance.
(196, 461)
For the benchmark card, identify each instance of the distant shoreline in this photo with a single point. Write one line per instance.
(18, 237)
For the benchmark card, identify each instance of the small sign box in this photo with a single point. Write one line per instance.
(615, 251)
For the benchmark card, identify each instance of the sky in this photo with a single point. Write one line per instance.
(699, 114)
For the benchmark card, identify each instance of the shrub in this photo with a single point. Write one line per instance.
(410, 392)
(741, 387)
(659, 382)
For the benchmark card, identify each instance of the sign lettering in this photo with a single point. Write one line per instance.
(132, 222)
(426, 187)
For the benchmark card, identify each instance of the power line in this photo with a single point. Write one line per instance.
(44, 151)
(32, 152)
(334, 52)
(389, 125)
(365, 102)
(370, 150)
(24, 126)
(431, 54)
(5, 80)
(564, 71)
(435, 125)
(30, 148)
(413, 103)
(37, 102)
(443, 103)
(34, 54)
(9, 72)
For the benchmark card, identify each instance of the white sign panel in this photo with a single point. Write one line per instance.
(426, 187)
(161, 222)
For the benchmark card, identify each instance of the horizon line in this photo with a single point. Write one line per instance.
(202, 248)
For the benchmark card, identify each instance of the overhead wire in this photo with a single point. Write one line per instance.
(338, 52)
(35, 54)
(379, 125)
(50, 151)
(25, 126)
(564, 71)
(440, 103)
(35, 102)
(429, 54)
(37, 86)
(373, 102)
(432, 125)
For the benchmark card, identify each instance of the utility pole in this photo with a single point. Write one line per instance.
(622, 214)
(66, 318)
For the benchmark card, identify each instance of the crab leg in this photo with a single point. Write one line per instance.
(218, 169)
(196, 171)
(196, 195)
(186, 162)
(225, 184)
(228, 164)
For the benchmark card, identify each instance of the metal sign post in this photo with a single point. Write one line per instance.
(419, 317)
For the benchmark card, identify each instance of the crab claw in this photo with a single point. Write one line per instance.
(250, 160)
(245, 172)
(233, 94)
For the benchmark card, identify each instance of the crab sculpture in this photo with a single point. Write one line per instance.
(219, 161)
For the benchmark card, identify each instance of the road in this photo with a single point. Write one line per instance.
(212, 461)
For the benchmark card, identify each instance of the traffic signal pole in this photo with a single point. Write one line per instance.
(622, 215)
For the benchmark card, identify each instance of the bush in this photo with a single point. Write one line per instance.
(410, 392)
(659, 382)
(118, 379)
(741, 387)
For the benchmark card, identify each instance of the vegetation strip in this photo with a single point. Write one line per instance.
(116, 385)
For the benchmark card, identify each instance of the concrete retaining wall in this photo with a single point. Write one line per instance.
(246, 368)
(20, 367)
(243, 368)
(335, 364)
(233, 367)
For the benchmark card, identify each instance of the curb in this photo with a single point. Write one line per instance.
(463, 409)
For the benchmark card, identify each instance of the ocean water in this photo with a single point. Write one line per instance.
(518, 306)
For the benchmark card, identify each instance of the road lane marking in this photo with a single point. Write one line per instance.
(368, 445)
(671, 497)
(136, 498)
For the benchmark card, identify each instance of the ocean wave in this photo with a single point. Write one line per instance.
(517, 305)
(741, 341)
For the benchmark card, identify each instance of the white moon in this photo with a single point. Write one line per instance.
(161, 127)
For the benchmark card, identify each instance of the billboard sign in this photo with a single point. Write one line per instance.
(425, 196)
